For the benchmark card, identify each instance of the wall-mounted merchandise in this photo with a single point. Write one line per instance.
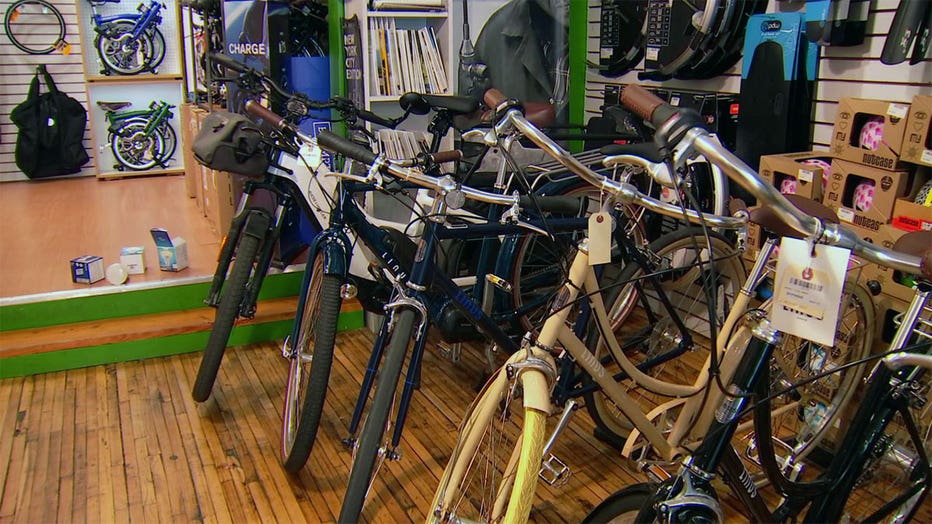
(910, 33)
(36, 27)
(136, 128)
(836, 23)
(126, 38)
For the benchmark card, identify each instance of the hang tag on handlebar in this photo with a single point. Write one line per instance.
(600, 238)
(807, 290)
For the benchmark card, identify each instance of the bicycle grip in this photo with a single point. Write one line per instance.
(446, 156)
(228, 62)
(563, 205)
(645, 104)
(257, 110)
(493, 97)
(338, 144)
(369, 116)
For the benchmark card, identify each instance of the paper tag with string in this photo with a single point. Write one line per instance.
(600, 238)
(807, 290)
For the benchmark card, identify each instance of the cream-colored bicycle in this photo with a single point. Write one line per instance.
(493, 471)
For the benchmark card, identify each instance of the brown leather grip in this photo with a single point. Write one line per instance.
(493, 97)
(446, 156)
(640, 101)
(257, 110)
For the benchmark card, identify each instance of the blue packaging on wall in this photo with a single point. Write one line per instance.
(311, 75)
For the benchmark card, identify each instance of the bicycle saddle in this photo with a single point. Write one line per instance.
(646, 150)
(767, 219)
(113, 106)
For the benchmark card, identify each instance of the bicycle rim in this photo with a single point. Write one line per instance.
(136, 150)
(492, 474)
(120, 54)
(34, 26)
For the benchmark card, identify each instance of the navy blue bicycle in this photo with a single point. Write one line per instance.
(129, 43)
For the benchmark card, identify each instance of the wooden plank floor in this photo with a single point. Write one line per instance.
(125, 442)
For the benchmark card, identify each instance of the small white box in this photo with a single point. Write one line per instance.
(173, 252)
(87, 269)
(133, 260)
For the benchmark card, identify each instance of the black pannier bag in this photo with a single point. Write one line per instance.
(51, 131)
(231, 142)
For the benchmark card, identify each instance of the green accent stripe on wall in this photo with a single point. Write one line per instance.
(130, 303)
(149, 348)
(578, 31)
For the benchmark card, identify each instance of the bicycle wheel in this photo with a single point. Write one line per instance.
(622, 506)
(136, 149)
(492, 474)
(367, 458)
(232, 294)
(120, 53)
(158, 48)
(170, 139)
(312, 342)
(541, 264)
(646, 330)
(34, 26)
(812, 415)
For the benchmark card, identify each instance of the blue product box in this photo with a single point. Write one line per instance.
(87, 269)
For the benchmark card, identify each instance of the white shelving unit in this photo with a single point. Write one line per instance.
(438, 20)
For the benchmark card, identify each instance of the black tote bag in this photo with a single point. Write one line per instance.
(51, 130)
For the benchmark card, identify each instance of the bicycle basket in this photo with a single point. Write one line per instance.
(231, 142)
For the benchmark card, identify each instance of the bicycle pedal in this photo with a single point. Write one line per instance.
(450, 352)
(348, 443)
(554, 471)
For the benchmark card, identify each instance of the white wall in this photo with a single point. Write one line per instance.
(16, 71)
(843, 71)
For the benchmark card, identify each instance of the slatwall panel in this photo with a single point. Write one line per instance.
(843, 71)
(16, 71)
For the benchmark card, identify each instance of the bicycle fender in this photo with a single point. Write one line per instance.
(336, 257)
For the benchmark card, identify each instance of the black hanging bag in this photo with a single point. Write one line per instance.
(51, 130)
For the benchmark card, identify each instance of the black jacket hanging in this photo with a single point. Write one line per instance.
(51, 130)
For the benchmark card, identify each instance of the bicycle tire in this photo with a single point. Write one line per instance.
(366, 449)
(305, 393)
(170, 140)
(628, 310)
(14, 11)
(622, 506)
(822, 406)
(495, 415)
(232, 294)
(125, 151)
(108, 45)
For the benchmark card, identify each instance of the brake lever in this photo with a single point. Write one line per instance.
(513, 216)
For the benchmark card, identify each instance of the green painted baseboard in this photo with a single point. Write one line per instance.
(149, 348)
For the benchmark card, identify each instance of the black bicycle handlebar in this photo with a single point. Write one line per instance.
(338, 144)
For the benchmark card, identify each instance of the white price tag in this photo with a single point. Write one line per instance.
(807, 290)
(600, 238)
(846, 214)
(653, 53)
(897, 110)
(804, 175)
(926, 156)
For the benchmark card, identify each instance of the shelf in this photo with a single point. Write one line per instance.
(408, 14)
(148, 172)
(133, 79)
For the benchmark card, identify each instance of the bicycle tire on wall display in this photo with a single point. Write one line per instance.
(35, 27)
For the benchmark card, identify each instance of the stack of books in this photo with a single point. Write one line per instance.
(401, 145)
(405, 60)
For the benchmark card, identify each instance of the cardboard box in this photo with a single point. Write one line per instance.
(221, 199)
(791, 169)
(133, 260)
(87, 269)
(910, 216)
(854, 115)
(892, 282)
(188, 130)
(886, 308)
(198, 171)
(173, 252)
(848, 181)
(917, 140)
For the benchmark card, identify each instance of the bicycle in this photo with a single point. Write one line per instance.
(884, 445)
(35, 27)
(129, 43)
(140, 139)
